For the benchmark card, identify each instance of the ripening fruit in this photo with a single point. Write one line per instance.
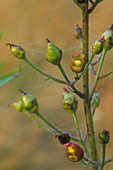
(97, 47)
(78, 32)
(17, 51)
(95, 100)
(53, 53)
(104, 137)
(18, 106)
(70, 103)
(74, 152)
(107, 37)
(63, 138)
(29, 102)
(77, 63)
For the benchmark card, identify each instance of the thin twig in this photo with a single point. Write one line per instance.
(94, 5)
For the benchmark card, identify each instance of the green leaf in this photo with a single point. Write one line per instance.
(8, 77)
(1, 34)
(2, 66)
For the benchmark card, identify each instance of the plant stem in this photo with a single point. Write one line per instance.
(89, 122)
(43, 73)
(77, 125)
(98, 73)
(63, 73)
(53, 127)
(79, 133)
(103, 156)
(105, 75)
(39, 124)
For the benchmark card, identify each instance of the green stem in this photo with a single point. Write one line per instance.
(105, 75)
(87, 108)
(79, 133)
(108, 161)
(43, 73)
(63, 73)
(68, 82)
(91, 162)
(103, 156)
(98, 73)
(53, 127)
(85, 69)
(77, 125)
(77, 3)
(39, 124)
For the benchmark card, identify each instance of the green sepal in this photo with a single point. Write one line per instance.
(70, 103)
(104, 137)
(53, 53)
(29, 102)
(18, 106)
(97, 47)
(107, 38)
(95, 100)
(17, 51)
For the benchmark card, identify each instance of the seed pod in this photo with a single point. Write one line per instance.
(107, 38)
(29, 102)
(95, 100)
(74, 152)
(97, 47)
(77, 63)
(18, 106)
(81, 1)
(63, 138)
(70, 103)
(53, 53)
(104, 137)
(17, 51)
(78, 32)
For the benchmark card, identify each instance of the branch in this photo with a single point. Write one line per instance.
(105, 75)
(77, 3)
(94, 5)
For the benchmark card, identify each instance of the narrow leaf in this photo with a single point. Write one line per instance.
(8, 77)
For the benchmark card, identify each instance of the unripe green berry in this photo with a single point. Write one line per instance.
(74, 152)
(17, 51)
(29, 102)
(97, 47)
(53, 53)
(18, 106)
(104, 137)
(77, 63)
(78, 32)
(70, 103)
(95, 100)
(107, 37)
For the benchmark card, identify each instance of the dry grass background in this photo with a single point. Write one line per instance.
(22, 145)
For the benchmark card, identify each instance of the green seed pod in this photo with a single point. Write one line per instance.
(74, 152)
(107, 38)
(70, 103)
(81, 1)
(53, 53)
(29, 102)
(78, 32)
(17, 51)
(77, 63)
(97, 47)
(104, 137)
(18, 106)
(63, 138)
(95, 100)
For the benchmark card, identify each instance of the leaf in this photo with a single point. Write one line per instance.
(8, 77)
(2, 66)
(1, 34)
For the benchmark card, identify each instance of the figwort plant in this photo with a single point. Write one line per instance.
(81, 151)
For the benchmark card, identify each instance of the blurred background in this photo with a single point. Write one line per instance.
(28, 23)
